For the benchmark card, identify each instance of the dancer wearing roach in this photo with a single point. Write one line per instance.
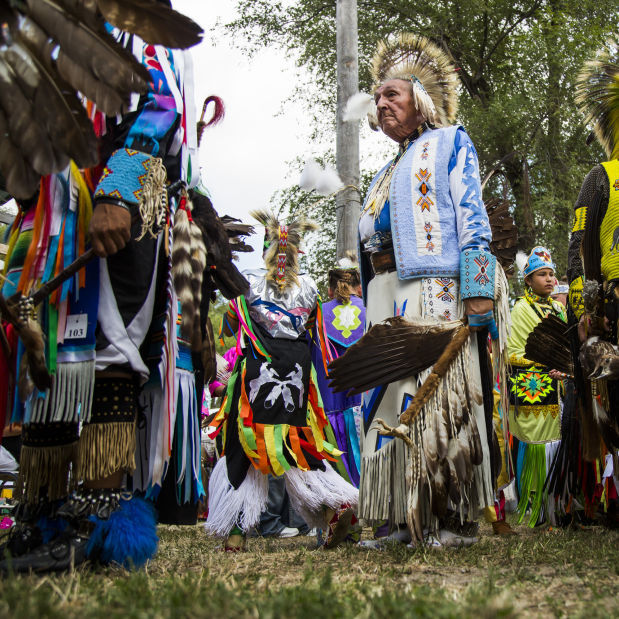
(344, 320)
(272, 418)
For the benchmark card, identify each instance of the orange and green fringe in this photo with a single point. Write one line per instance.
(266, 444)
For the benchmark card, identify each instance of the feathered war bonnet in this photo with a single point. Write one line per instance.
(597, 94)
(416, 59)
(281, 243)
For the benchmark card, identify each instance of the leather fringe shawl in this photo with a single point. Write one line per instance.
(104, 449)
(44, 467)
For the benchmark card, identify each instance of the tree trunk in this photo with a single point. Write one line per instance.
(347, 145)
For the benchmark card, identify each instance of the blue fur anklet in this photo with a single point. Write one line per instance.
(128, 537)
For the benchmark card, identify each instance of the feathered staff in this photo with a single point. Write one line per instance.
(429, 386)
(390, 351)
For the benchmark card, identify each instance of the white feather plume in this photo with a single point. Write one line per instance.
(310, 175)
(325, 181)
(358, 107)
(329, 182)
(346, 263)
(521, 261)
(424, 102)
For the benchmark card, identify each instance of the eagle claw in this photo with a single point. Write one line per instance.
(399, 432)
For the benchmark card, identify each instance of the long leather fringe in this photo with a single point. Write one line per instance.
(104, 449)
(44, 467)
(382, 490)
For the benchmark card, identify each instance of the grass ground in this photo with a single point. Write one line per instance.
(539, 573)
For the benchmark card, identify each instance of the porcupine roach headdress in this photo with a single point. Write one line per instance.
(344, 278)
(597, 94)
(435, 82)
(281, 257)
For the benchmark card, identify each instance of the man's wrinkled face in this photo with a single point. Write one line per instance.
(395, 109)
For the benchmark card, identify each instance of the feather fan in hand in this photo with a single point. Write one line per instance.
(388, 352)
(43, 122)
(548, 344)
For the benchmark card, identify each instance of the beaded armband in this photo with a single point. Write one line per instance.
(477, 274)
(124, 176)
(575, 297)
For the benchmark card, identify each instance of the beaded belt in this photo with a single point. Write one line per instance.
(383, 261)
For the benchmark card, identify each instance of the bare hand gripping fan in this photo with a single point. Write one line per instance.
(43, 123)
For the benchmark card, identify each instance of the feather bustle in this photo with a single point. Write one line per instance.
(19, 84)
(21, 180)
(107, 60)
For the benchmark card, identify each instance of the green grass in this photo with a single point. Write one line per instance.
(539, 573)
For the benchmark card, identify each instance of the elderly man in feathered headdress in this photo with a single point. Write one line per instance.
(425, 254)
(593, 271)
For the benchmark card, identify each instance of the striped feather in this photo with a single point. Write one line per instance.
(182, 272)
(198, 266)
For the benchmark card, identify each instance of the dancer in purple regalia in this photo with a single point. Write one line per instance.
(344, 320)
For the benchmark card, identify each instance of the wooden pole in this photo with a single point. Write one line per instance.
(347, 202)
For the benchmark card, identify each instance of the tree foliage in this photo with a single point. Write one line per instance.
(517, 60)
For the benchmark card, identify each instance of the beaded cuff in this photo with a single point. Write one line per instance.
(124, 176)
(477, 274)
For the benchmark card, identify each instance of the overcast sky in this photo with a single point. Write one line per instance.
(244, 158)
